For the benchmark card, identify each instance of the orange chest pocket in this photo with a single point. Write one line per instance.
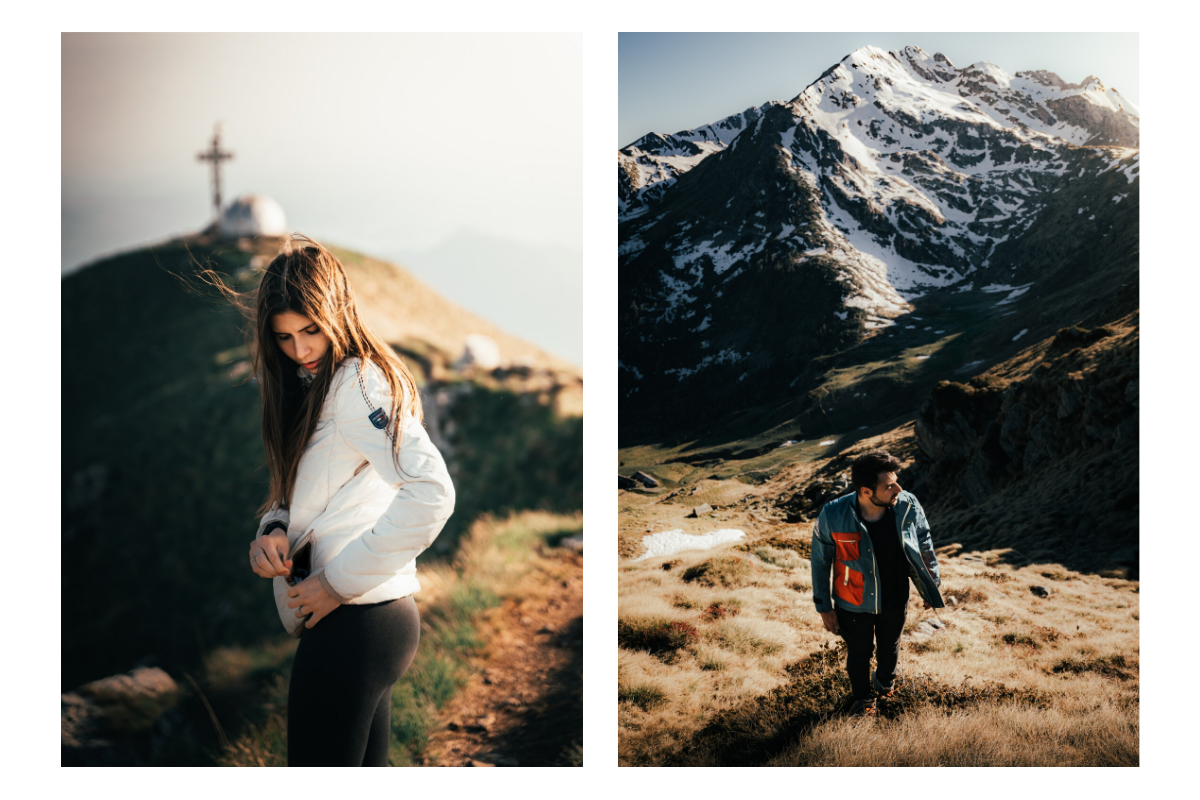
(847, 545)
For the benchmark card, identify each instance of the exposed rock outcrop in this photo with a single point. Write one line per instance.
(1042, 450)
(121, 720)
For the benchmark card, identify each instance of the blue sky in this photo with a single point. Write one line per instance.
(676, 81)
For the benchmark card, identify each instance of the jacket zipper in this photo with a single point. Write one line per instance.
(921, 558)
(874, 565)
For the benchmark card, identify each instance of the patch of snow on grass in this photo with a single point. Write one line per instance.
(726, 356)
(968, 367)
(1013, 295)
(1022, 333)
(637, 373)
(668, 543)
(828, 442)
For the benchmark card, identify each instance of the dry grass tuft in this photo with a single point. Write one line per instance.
(1005, 734)
(800, 546)
(644, 697)
(655, 635)
(965, 595)
(720, 571)
(784, 559)
(1116, 666)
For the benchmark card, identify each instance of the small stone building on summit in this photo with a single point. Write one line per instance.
(252, 215)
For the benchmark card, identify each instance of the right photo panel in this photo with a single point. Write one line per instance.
(878, 418)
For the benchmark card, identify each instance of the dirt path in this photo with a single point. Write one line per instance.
(524, 705)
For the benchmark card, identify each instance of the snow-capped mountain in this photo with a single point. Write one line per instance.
(795, 229)
(651, 164)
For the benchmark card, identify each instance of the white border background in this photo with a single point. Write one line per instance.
(32, 387)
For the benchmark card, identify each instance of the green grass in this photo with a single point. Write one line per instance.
(511, 453)
(248, 686)
(644, 697)
(439, 669)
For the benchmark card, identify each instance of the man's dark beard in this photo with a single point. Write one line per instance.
(878, 504)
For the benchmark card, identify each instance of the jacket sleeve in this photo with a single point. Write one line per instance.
(925, 542)
(424, 494)
(274, 514)
(822, 563)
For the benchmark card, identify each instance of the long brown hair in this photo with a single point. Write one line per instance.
(307, 279)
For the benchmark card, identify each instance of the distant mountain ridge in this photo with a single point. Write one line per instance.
(794, 230)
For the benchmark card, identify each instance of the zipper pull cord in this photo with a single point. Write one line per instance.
(367, 400)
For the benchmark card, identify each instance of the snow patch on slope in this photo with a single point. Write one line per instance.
(668, 543)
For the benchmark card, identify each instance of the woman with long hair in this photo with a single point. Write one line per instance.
(357, 491)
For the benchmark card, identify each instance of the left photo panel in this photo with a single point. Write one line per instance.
(322, 477)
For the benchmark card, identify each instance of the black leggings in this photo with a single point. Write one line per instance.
(340, 696)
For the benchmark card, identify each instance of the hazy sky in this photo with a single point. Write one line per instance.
(460, 154)
(675, 81)
(375, 141)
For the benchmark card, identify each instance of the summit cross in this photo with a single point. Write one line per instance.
(215, 155)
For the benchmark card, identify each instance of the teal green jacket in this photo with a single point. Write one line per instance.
(841, 546)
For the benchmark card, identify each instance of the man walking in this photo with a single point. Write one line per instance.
(873, 540)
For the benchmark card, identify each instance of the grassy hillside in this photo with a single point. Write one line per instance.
(723, 659)
(1014, 680)
(246, 688)
(163, 464)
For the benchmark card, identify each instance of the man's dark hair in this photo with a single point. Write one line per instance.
(864, 472)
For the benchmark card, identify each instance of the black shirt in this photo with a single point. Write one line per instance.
(889, 560)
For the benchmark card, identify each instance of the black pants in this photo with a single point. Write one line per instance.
(861, 632)
(340, 696)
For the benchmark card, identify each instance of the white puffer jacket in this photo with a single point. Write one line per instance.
(367, 529)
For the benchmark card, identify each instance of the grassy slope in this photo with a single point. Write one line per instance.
(246, 687)
(758, 684)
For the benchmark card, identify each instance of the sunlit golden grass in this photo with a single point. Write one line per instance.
(1001, 735)
(1077, 650)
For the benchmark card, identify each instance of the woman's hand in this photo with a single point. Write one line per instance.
(309, 597)
(268, 555)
